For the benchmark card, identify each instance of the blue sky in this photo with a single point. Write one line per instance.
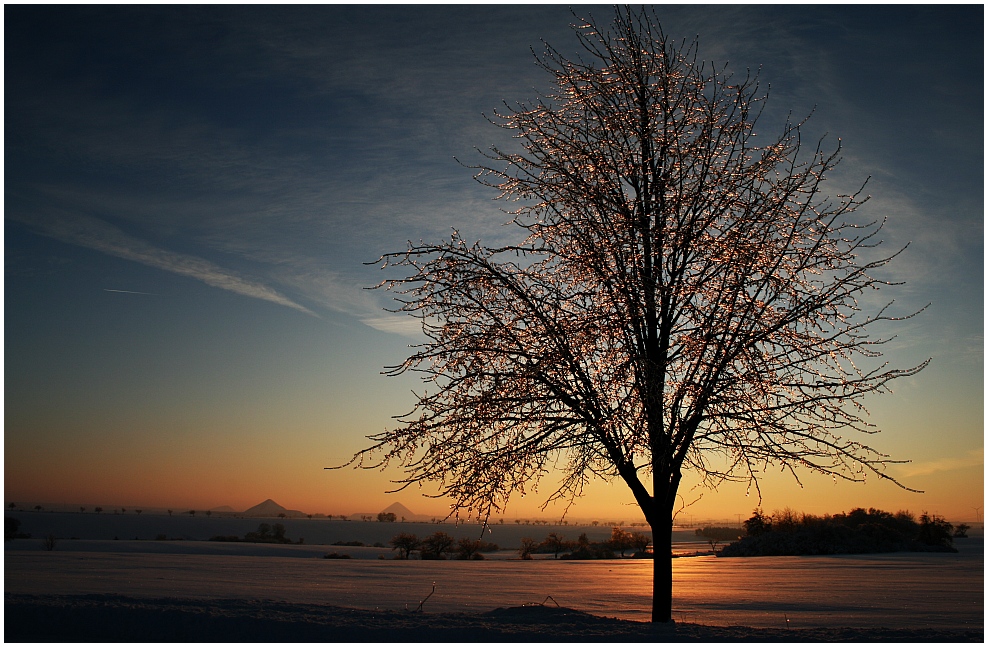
(191, 194)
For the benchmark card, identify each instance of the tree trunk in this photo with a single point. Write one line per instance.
(662, 572)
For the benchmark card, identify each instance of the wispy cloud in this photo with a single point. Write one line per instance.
(398, 324)
(101, 236)
(350, 296)
(972, 458)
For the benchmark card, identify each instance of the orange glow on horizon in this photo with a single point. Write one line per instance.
(206, 481)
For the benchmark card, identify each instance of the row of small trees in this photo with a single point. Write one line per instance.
(265, 534)
(386, 517)
(97, 509)
(621, 540)
(440, 545)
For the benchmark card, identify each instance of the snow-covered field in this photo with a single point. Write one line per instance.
(905, 591)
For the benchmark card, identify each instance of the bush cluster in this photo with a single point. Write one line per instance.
(265, 534)
(11, 529)
(859, 531)
(561, 548)
(440, 545)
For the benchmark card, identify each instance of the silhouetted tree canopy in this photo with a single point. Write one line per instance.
(786, 532)
(682, 297)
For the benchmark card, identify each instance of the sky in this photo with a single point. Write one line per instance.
(192, 196)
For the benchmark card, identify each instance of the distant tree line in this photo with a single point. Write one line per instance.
(440, 545)
(787, 532)
(561, 548)
(376, 544)
(265, 534)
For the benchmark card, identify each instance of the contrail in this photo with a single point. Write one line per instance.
(94, 233)
(129, 292)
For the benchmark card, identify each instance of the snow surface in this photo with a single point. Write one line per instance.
(112, 618)
(905, 592)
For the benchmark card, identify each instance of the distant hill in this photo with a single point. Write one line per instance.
(269, 508)
(222, 508)
(399, 511)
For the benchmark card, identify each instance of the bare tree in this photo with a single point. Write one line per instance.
(437, 545)
(467, 548)
(640, 541)
(620, 540)
(404, 543)
(684, 299)
(554, 543)
(527, 547)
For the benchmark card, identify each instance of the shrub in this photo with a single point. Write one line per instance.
(467, 548)
(590, 551)
(404, 543)
(620, 540)
(585, 549)
(336, 556)
(935, 531)
(640, 542)
(266, 534)
(437, 545)
(555, 544)
(11, 526)
(528, 546)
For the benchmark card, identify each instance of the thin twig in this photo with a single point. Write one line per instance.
(419, 607)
